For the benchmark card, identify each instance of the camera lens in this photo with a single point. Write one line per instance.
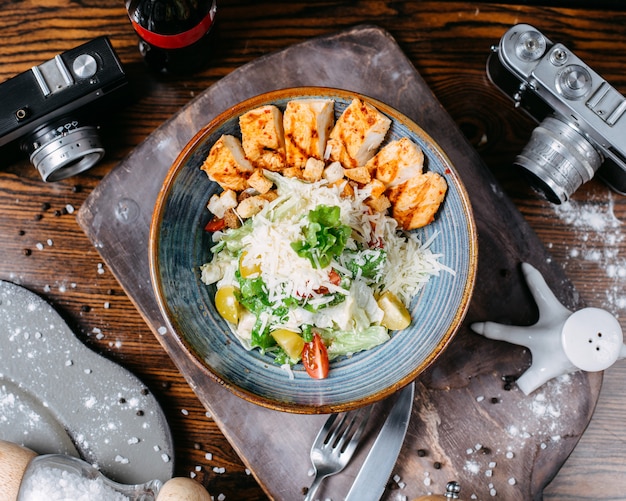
(63, 149)
(559, 159)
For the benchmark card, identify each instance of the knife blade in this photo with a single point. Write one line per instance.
(372, 478)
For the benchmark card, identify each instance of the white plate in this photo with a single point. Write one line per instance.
(58, 396)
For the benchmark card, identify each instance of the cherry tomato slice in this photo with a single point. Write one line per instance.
(215, 224)
(315, 358)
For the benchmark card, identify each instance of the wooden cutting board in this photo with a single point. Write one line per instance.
(467, 425)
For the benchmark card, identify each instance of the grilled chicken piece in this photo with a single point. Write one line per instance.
(358, 133)
(262, 137)
(397, 162)
(227, 165)
(307, 123)
(416, 201)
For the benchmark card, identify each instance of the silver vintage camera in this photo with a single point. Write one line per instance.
(48, 111)
(582, 118)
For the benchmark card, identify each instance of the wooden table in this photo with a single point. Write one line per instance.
(448, 43)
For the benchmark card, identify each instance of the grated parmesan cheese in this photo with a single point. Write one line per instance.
(266, 244)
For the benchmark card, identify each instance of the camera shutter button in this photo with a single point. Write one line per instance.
(573, 81)
(85, 66)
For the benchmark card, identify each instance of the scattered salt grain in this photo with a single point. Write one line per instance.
(208, 456)
(472, 467)
(480, 398)
(133, 441)
(69, 208)
(512, 481)
(49, 242)
(121, 459)
(165, 458)
(184, 412)
(221, 497)
(39, 246)
(68, 363)
(192, 474)
(162, 330)
(107, 305)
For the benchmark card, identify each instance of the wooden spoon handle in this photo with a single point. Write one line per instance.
(13, 462)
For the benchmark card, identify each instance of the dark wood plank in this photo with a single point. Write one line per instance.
(367, 60)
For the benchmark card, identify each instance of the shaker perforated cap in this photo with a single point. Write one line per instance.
(592, 339)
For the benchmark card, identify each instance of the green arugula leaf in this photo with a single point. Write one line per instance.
(324, 237)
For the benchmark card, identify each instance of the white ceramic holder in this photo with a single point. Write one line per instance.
(560, 342)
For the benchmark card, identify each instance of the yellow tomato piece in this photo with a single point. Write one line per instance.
(396, 316)
(248, 269)
(290, 341)
(227, 304)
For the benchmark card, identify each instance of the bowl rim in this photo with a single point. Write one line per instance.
(155, 231)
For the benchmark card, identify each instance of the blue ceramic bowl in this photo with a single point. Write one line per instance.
(179, 245)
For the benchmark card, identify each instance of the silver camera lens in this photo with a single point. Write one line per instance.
(64, 150)
(559, 158)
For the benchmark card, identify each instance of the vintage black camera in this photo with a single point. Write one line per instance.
(582, 118)
(48, 112)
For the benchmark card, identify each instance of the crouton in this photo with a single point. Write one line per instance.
(251, 206)
(334, 172)
(380, 204)
(307, 123)
(347, 190)
(219, 204)
(262, 137)
(313, 170)
(292, 172)
(358, 133)
(232, 219)
(416, 201)
(259, 182)
(397, 162)
(227, 165)
(358, 174)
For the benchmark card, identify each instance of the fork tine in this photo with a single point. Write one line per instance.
(334, 428)
(335, 443)
(351, 439)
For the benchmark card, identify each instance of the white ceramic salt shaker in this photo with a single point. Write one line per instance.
(23, 477)
(561, 342)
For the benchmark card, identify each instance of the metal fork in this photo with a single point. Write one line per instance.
(335, 444)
